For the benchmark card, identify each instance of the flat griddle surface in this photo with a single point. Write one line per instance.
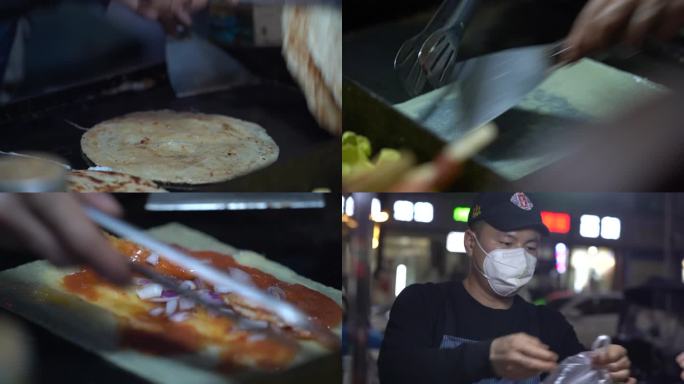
(40, 124)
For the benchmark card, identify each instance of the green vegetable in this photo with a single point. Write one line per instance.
(356, 153)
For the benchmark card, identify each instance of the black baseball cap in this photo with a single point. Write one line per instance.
(507, 212)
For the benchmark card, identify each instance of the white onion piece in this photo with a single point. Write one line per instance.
(276, 292)
(240, 275)
(140, 281)
(153, 259)
(163, 299)
(188, 284)
(156, 311)
(221, 289)
(180, 316)
(149, 291)
(185, 304)
(171, 306)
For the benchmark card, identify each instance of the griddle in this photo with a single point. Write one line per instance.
(309, 155)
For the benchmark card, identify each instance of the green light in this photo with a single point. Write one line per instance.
(461, 214)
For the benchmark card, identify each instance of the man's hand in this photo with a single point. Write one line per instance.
(53, 226)
(605, 22)
(614, 359)
(680, 361)
(169, 13)
(520, 356)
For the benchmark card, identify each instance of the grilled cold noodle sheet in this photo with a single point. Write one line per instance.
(157, 320)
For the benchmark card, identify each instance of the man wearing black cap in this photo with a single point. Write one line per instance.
(479, 330)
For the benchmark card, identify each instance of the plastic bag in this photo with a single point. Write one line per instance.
(578, 369)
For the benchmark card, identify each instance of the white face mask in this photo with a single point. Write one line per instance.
(507, 270)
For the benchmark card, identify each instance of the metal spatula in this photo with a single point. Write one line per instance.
(196, 66)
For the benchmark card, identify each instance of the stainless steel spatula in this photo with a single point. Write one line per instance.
(196, 66)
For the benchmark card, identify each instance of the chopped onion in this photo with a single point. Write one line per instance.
(149, 291)
(240, 275)
(185, 304)
(169, 293)
(180, 316)
(140, 281)
(210, 296)
(153, 259)
(156, 311)
(163, 299)
(200, 284)
(276, 292)
(188, 284)
(171, 306)
(221, 289)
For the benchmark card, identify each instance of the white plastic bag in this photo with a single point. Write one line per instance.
(578, 369)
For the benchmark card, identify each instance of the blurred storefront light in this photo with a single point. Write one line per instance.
(403, 210)
(455, 242)
(683, 271)
(590, 261)
(610, 228)
(377, 214)
(349, 206)
(376, 236)
(375, 207)
(556, 222)
(590, 226)
(381, 217)
(400, 280)
(561, 258)
(423, 212)
(461, 214)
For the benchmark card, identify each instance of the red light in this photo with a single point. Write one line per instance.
(556, 222)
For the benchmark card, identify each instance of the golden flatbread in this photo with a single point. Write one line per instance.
(312, 47)
(108, 181)
(180, 147)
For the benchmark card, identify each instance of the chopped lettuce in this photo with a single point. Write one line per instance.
(356, 154)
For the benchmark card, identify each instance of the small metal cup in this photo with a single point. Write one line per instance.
(34, 172)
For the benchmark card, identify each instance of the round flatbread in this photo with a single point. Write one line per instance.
(312, 47)
(108, 181)
(180, 147)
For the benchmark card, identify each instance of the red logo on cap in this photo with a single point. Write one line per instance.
(522, 201)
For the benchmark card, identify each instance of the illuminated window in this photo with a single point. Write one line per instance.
(349, 207)
(461, 214)
(455, 242)
(375, 207)
(610, 228)
(376, 236)
(423, 212)
(403, 210)
(683, 271)
(590, 226)
(400, 280)
(561, 258)
(556, 222)
(588, 261)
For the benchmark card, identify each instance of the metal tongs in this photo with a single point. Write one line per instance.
(287, 312)
(431, 54)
